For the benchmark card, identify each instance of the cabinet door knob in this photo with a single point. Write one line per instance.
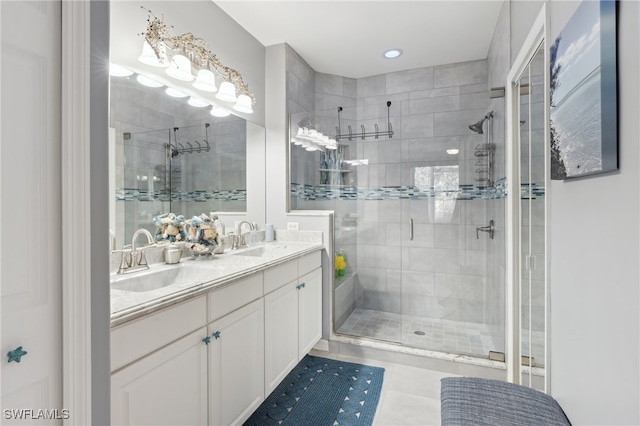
(300, 286)
(16, 354)
(207, 340)
(216, 335)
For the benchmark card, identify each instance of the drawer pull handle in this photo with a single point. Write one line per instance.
(16, 354)
(207, 340)
(216, 335)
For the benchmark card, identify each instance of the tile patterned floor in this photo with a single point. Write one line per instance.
(424, 333)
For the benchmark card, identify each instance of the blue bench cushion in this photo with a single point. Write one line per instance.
(476, 402)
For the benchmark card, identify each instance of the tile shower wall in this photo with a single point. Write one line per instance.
(206, 181)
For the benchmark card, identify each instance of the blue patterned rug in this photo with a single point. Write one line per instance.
(322, 392)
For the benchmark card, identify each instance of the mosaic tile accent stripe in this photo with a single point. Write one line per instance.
(464, 192)
(124, 194)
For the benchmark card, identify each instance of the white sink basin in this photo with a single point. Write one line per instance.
(159, 277)
(261, 251)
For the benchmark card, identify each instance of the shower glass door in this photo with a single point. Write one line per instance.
(532, 222)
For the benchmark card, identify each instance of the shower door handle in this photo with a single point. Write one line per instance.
(410, 229)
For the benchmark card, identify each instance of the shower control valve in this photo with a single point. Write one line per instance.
(490, 229)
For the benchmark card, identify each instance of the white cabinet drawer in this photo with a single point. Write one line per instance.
(309, 262)
(280, 275)
(138, 338)
(234, 296)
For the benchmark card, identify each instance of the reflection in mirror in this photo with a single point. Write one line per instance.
(172, 156)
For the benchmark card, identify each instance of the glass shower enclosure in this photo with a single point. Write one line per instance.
(412, 220)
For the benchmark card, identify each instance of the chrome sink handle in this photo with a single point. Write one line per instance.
(491, 229)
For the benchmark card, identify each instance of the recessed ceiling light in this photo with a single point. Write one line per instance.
(392, 53)
(453, 151)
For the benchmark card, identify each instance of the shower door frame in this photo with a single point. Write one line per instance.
(537, 38)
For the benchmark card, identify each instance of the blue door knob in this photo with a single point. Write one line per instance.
(16, 354)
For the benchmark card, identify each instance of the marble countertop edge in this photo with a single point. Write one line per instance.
(177, 294)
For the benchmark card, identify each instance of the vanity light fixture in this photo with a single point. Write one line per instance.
(185, 55)
(149, 57)
(175, 93)
(205, 81)
(180, 68)
(146, 81)
(116, 70)
(392, 53)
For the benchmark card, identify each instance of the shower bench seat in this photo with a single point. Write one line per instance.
(472, 401)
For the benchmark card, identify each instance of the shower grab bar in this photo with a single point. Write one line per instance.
(410, 229)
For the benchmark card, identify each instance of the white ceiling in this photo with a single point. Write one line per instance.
(348, 38)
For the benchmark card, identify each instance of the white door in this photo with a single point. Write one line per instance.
(30, 209)
(168, 387)
(236, 365)
(309, 311)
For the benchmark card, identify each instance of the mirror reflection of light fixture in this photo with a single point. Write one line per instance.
(216, 111)
(197, 102)
(175, 93)
(116, 70)
(146, 81)
(313, 140)
(184, 54)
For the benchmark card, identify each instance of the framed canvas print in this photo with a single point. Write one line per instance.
(583, 93)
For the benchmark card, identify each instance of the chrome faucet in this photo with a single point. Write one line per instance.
(142, 261)
(238, 239)
(130, 261)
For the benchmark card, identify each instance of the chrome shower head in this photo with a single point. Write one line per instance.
(477, 127)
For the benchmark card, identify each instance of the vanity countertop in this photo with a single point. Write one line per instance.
(195, 277)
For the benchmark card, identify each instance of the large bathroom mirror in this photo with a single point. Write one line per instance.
(172, 156)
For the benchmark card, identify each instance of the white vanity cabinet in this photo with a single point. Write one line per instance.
(165, 378)
(293, 315)
(214, 358)
(236, 351)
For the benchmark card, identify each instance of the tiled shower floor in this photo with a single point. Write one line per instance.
(439, 335)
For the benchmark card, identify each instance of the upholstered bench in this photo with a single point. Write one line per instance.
(477, 402)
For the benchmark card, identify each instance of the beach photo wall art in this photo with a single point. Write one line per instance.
(583, 93)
